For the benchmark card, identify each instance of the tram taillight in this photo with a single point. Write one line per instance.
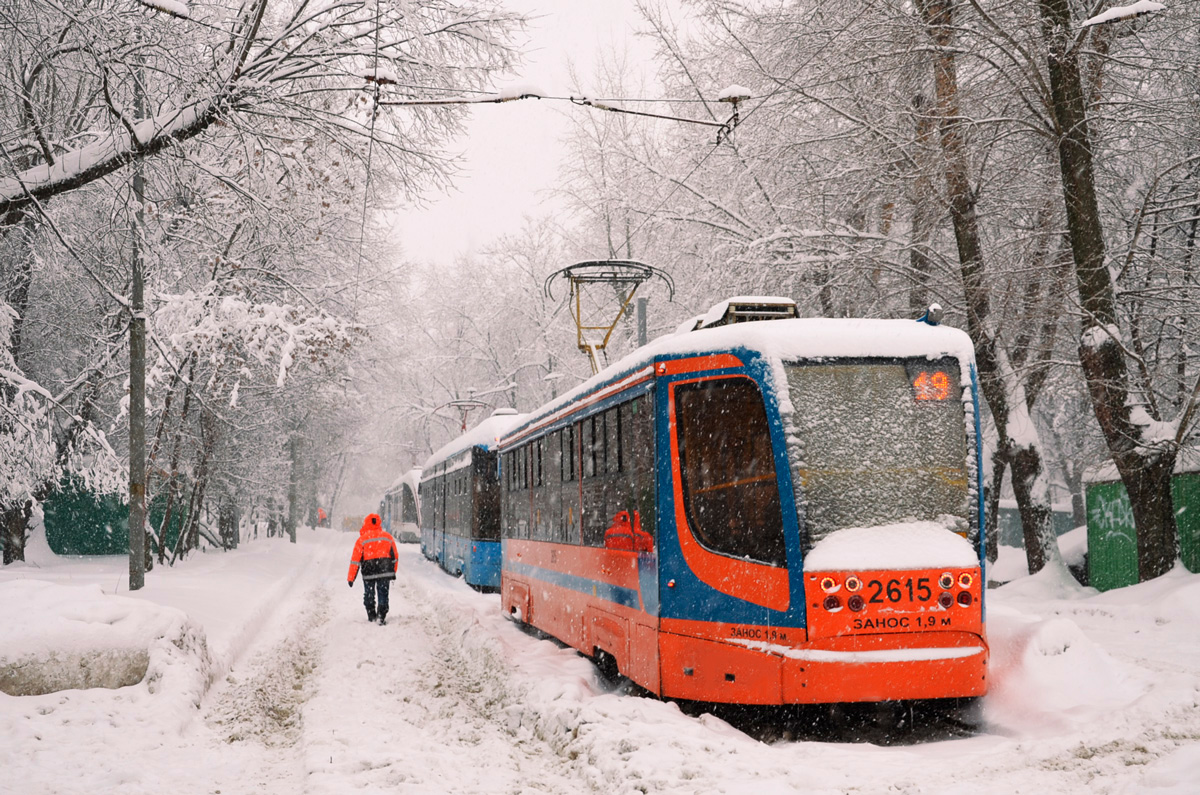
(946, 580)
(852, 585)
(855, 602)
(946, 600)
(832, 603)
(829, 585)
(964, 598)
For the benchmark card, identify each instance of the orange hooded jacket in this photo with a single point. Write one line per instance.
(375, 551)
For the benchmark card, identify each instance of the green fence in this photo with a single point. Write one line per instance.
(1112, 540)
(81, 522)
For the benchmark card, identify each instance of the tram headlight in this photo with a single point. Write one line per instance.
(946, 581)
(946, 600)
(855, 602)
(965, 579)
(829, 585)
(853, 584)
(832, 603)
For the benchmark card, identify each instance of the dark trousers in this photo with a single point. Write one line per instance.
(370, 588)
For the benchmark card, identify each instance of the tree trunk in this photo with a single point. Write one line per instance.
(1037, 525)
(293, 513)
(1146, 473)
(17, 276)
(227, 521)
(925, 210)
(13, 523)
(995, 377)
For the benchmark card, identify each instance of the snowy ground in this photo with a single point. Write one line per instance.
(267, 679)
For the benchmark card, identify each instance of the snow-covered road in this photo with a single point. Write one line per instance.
(1091, 693)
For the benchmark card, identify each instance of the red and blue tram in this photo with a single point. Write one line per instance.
(772, 512)
(459, 498)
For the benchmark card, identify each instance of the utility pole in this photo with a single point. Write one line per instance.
(641, 321)
(137, 365)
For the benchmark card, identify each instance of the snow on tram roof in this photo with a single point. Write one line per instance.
(790, 339)
(411, 477)
(485, 435)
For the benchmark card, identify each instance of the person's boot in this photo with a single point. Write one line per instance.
(382, 620)
(371, 618)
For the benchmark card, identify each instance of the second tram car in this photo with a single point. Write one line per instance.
(459, 498)
(773, 512)
(401, 508)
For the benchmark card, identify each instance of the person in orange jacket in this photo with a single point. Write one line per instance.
(375, 553)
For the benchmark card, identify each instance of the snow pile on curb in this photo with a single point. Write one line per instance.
(76, 637)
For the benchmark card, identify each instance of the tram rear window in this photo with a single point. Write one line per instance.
(879, 442)
(730, 491)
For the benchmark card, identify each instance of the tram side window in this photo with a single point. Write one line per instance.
(447, 504)
(595, 513)
(612, 440)
(613, 490)
(552, 504)
(520, 502)
(729, 486)
(508, 514)
(634, 478)
(541, 508)
(525, 464)
(428, 489)
(568, 439)
(588, 448)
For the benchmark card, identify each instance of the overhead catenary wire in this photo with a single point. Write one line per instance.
(762, 101)
(600, 104)
(723, 134)
(456, 90)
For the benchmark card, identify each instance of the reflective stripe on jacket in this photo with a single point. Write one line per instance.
(374, 551)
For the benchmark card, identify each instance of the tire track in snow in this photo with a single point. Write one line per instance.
(255, 717)
(265, 703)
(412, 707)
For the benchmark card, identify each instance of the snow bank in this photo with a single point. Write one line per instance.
(904, 545)
(64, 637)
(1047, 675)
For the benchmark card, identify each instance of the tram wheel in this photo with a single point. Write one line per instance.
(963, 715)
(879, 723)
(607, 665)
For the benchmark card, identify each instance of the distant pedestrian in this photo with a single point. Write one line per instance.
(375, 552)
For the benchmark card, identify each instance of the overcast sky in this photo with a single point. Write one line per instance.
(511, 150)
